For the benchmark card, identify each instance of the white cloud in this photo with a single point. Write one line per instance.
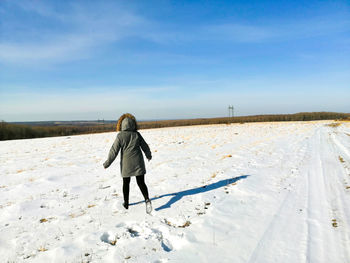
(76, 34)
(69, 47)
(253, 33)
(83, 28)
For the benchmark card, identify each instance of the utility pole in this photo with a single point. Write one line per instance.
(231, 111)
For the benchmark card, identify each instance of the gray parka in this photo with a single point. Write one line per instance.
(130, 142)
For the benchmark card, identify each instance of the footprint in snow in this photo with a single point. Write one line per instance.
(109, 238)
(165, 243)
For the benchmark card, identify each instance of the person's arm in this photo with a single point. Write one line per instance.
(145, 148)
(113, 152)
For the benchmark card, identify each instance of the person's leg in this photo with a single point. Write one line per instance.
(126, 188)
(143, 187)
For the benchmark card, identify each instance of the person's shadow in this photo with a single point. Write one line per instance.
(178, 195)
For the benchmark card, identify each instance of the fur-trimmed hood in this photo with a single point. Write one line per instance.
(130, 123)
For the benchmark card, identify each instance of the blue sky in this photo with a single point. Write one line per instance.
(72, 60)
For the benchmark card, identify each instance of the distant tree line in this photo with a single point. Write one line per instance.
(303, 116)
(9, 131)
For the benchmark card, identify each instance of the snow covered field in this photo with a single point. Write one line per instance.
(259, 192)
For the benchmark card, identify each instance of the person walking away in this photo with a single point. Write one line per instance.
(130, 143)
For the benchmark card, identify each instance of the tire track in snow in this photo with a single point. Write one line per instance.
(317, 204)
(287, 222)
(340, 146)
(324, 203)
(310, 237)
(340, 202)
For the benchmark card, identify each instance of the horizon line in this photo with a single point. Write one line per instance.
(145, 120)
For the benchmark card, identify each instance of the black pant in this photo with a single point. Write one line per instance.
(140, 179)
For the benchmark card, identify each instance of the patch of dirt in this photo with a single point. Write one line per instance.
(186, 224)
(334, 223)
(334, 125)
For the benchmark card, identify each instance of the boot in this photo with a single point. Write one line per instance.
(148, 206)
(126, 205)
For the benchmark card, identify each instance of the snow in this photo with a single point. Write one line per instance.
(255, 192)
